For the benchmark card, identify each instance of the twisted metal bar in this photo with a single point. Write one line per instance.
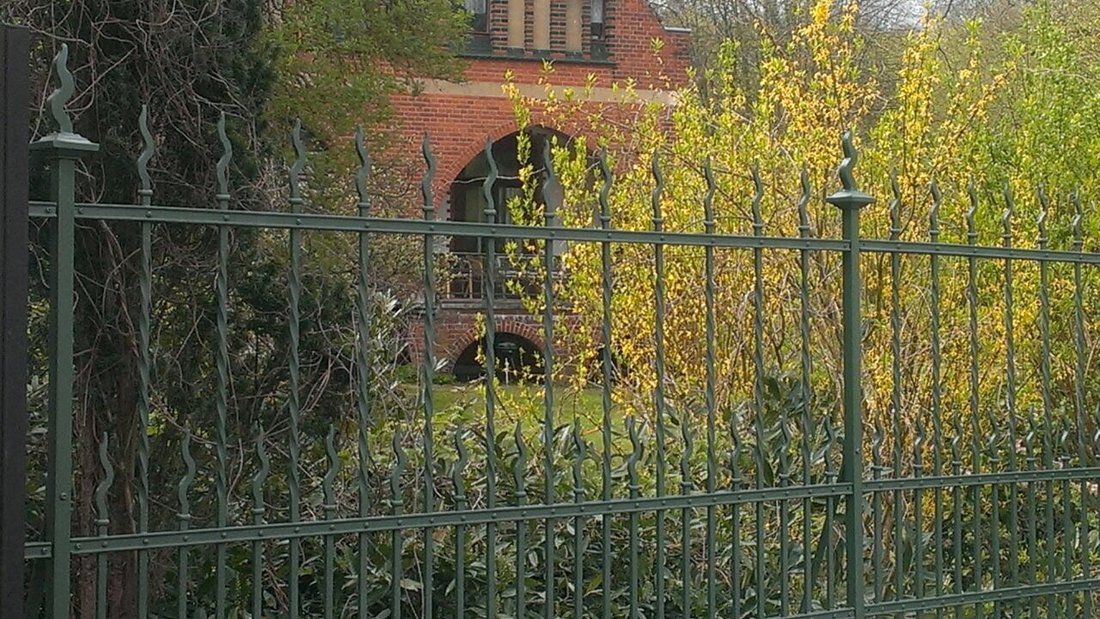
(145, 405)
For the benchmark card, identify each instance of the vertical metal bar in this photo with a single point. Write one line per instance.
(850, 200)
(520, 474)
(606, 362)
(1048, 513)
(579, 454)
(895, 386)
(709, 389)
(917, 534)
(551, 192)
(1070, 609)
(937, 392)
(632, 474)
(459, 482)
(829, 531)
(876, 510)
(258, 481)
(659, 391)
(222, 396)
(294, 402)
(144, 360)
(1010, 393)
(1079, 401)
(956, 516)
(995, 517)
(975, 378)
(14, 170)
(488, 291)
(103, 525)
(685, 522)
(62, 148)
(364, 350)
(428, 209)
(1045, 388)
(736, 482)
(183, 517)
(807, 391)
(329, 508)
(1032, 534)
(758, 386)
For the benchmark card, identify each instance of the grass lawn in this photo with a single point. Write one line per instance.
(525, 404)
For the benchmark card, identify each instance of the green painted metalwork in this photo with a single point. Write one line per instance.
(758, 387)
(258, 509)
(805, 368)
(551, 195)
(606, 370)
(294, 389)
(850, 200)
(428, 209)
(222, 393)
(363, 349)
(709, 389)
(61, 149)
(459, 481)
(488, 288)
(102, 523)
(329, 507)
(144, 360)
(977, 498)
(183, 517)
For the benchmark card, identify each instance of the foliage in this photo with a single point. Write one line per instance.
(1021, 116)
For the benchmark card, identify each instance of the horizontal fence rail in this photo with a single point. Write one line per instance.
(907, 428)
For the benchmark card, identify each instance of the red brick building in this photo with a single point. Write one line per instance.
(586, 41)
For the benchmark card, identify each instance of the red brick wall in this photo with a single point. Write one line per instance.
(459, 124)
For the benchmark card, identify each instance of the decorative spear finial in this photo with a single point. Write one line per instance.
(895, 207)
(605, 190)
(222, 167)
(57, 100)
(490, 180)
(147, 151)
(64, 139)
(429, 177)
(971, 226)
(298, 167)
(757, 198)
(1078, 229)
(849, 195)
(934, 212)
(364, 171)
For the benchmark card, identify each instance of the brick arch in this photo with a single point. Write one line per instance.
(527, 330)
(475, 147)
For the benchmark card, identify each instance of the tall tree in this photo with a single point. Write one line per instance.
(332, 62)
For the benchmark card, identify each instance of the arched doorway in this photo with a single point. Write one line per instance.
(468, 204)
(518, 359)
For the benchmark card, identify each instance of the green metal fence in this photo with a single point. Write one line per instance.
(654, 515)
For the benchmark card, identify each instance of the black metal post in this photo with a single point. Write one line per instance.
(14, 110)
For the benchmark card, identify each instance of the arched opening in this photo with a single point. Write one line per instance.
(467, 190)
(468, 203)
(518, 359)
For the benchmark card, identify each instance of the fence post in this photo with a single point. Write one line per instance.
(14, 109)
(850, 200)
(61, 149)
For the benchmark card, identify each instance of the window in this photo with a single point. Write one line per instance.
(479, 25)
(596, 29)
